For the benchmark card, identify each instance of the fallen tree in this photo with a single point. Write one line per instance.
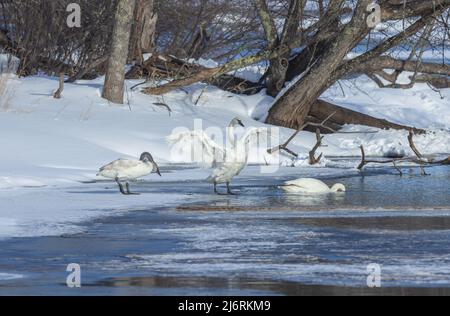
(164, 67)
(342, 116)
(327, 118)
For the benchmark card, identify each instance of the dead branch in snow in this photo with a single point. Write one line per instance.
(365, 161)
(167, 67)
(322, 125)
(312, 154)
(419, 159)
(57, 94)
(284, 146)
(418, 154)
(164, 105)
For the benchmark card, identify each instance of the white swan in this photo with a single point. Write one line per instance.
(129, 169)
(227, 162)
(313, 186)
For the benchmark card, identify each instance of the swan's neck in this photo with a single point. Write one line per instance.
(241, 151)
(231, 136)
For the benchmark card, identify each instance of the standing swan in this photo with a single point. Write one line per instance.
(129, 169)
(227, 162)
(311, 186)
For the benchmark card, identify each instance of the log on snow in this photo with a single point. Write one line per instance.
(165, 67)
(342, 116)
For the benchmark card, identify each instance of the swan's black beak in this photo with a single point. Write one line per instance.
(240, 123)
(157, 169)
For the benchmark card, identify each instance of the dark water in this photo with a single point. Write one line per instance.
(260, 242)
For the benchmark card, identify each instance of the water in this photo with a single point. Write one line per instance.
(260, 242)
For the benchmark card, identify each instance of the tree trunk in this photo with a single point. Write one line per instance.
(322, 43)
(291, 109)
(115, 74)
(143, 31)
(279, 66)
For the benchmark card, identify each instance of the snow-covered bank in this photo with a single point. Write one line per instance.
(46, 141)
(419, 106)
(48, 144)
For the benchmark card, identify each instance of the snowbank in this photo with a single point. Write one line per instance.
(48, 144)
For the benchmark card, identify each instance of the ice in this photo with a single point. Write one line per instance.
(8, 276)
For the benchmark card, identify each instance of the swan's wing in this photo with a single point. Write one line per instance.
(257, 136)
(253, 145)
(120, 164)
(199, 146)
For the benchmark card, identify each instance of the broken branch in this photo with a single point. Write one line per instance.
(312, 154)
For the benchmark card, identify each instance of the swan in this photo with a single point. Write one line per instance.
(129, 169)
(314, 186)
(225, 162)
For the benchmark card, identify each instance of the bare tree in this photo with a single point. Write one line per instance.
(292, 108)
(36, 32)
(317, 56)
(311, 43)
(115, 75)
(276, 72)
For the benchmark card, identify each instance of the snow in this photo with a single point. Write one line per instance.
(420, 106)
(9, 276)
(49, 147)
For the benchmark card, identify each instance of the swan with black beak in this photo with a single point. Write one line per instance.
(129, 170)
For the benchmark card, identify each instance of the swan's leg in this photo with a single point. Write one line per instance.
(229, 189)
(121, 187)
(128, 189)
(216, 191)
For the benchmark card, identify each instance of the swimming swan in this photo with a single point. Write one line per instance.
(129, 169)
(226, 162)
(314, 186)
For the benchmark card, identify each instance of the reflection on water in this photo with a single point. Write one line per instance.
(296, 200)
(370, 191)
(384, 191)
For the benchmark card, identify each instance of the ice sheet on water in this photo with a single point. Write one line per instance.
(9, 276)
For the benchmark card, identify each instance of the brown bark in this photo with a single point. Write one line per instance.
(58, 93)
(165, 67)
(398, 9)
(143, 31)
(364, 60)
(115, 76)
(199, 44)
(279, 66)
(342, 116)
(313, 160)
(203, 75)
(318, 45)
(436, 81)
(386, 62)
